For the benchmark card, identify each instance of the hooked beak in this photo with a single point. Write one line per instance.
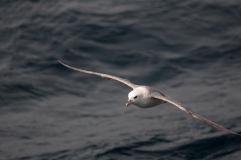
(128, 103)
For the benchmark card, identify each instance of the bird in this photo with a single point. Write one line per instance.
(147, 97)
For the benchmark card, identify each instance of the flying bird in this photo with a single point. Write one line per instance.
(146, 97)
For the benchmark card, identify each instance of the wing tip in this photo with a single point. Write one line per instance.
(59, 61)
(63, 63)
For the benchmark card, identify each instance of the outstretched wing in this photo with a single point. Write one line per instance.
(125, 81)
(189, 111)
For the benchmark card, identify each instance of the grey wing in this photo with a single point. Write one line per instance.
(125, 81)
(189, 111)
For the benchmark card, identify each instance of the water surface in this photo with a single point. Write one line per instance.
(189, 50)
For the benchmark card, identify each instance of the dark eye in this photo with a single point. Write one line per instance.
(135, 97)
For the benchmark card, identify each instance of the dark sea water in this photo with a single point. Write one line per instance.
(189, 49)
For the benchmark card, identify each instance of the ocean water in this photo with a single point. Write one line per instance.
(190, 50)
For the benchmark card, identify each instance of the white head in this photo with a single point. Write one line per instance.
(137, 96)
